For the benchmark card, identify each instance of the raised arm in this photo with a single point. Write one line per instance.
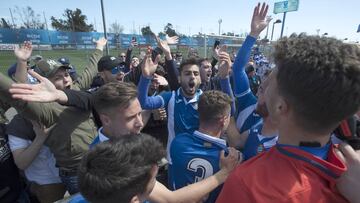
(22, 54)
(45, 91)
(24, 153)
(128, 53)
(224, 71)
(148, 69)
(45, 113)
(258, 23)
(91, 70)
(170, 66)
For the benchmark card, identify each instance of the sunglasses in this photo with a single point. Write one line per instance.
(116, 70)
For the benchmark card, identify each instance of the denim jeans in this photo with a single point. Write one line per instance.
(70, 182)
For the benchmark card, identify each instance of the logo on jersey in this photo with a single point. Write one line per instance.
(260, 149)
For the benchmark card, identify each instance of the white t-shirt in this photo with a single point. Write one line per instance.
(42, 170)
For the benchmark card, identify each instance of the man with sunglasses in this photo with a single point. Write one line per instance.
(110, 69)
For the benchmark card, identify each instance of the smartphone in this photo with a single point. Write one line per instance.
(217, 43)
(155, 52)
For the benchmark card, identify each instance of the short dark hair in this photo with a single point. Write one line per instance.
(202, 60)
(189, 61)
(213, 105)
(113, 95)
(320, 78)
(117, 170)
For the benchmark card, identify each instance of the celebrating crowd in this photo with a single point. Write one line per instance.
(162, 128)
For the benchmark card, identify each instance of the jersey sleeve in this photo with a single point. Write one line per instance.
(148, 102)
(241, 83)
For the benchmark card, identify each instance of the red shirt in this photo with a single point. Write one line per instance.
(285, 174)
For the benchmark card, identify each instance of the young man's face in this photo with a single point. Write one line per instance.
(190, 80)
(134, 62)
(261, 108)
(122, 57)
(272, 97)
(205, 71)
(112, 75)
(61, 79)
(125, 121)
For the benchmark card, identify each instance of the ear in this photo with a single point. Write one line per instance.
(223, 121)
(105, 119)
(135, 199)
(102, 75)
(179, 78)
(282, 107)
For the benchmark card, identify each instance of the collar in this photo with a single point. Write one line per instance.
(214, 140)
(102, 137)
(333, 166)
(195, 99)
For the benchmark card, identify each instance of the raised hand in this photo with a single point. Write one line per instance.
(216, 51)
(133, 44)
(225, 62)
(24, 51)
(160, 80)
(259, 20)
(148, 66)
(40, 130)
(164, 46)
(45, 91)
(172, 40)
(100, 43)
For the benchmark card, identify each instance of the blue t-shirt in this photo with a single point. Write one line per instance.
(195, 157)
(256, 143)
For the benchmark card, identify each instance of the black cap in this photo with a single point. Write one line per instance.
(249, 69)
(108, 63)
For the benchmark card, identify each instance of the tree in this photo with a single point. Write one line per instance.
(168, 29)
(116, 28)
(4, 23)
(28, 18)
(146, 31)
(74, 21)
(161, 34)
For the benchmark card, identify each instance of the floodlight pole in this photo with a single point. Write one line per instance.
(283, 25)
(104, 24)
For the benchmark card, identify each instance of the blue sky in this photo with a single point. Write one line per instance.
(338, 18)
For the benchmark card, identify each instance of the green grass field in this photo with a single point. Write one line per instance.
(78, 58)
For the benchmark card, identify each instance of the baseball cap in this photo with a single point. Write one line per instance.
(65, 61)
(49, 67)
(108, 63)
(36, 58)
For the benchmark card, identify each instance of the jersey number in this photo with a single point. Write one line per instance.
(200, 164)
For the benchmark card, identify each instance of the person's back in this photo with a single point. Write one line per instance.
(286, 174)
(195, 157)
(314, 87)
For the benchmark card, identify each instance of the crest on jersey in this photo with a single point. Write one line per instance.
(260, 148)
